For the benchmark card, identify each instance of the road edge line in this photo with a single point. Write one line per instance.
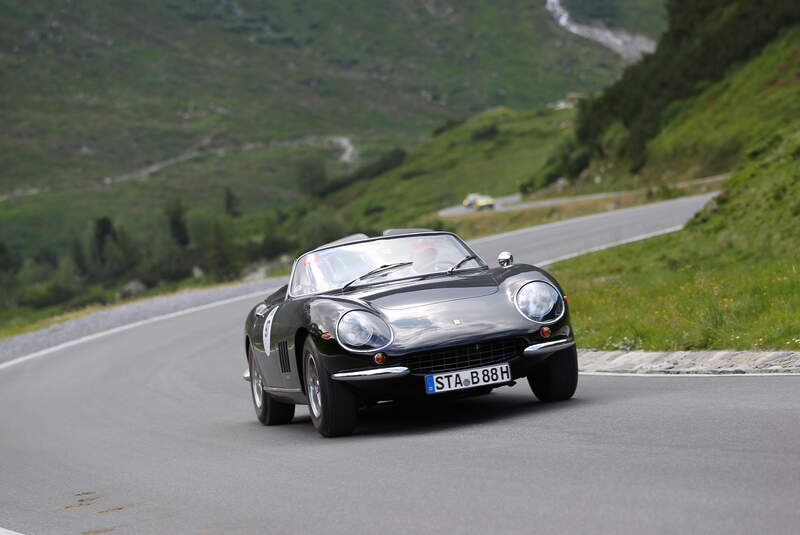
(4, 531)
(121, 328)
(598, 248)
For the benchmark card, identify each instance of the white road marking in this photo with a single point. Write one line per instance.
(8, 532)
(610, 245)
(95, 336)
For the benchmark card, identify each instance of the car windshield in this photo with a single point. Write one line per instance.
(330, 269)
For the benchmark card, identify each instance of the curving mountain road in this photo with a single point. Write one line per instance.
(151, 430)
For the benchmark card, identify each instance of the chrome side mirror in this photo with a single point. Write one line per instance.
(505, 259)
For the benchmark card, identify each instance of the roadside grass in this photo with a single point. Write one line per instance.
(655, 295)
(731, 279)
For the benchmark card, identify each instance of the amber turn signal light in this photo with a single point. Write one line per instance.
(545, 332)
(326, 336)
(379, 358)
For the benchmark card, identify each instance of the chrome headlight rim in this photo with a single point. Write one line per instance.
(543, 321)
(367, 350)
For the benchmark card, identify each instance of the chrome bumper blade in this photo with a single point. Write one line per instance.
(545, 348)
(374, 373)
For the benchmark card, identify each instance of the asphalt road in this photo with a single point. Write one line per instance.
(513, 202)
(507, 203)
(544, 243)
(151, 430)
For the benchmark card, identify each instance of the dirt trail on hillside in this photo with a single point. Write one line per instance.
(349, 155)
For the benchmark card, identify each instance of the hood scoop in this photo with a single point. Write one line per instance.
(410, 294)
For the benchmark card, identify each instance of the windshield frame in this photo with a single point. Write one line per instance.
(469, 250)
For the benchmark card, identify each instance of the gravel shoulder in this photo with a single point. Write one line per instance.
(689, 362)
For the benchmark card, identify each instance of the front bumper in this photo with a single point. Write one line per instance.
(393, 381)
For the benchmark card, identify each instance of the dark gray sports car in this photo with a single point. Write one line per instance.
(411, 313)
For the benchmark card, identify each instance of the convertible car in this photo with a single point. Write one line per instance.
(410, 314)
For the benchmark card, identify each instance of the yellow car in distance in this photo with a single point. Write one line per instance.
(478, 202)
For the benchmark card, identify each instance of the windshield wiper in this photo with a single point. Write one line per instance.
(461, 263)
(378, 271)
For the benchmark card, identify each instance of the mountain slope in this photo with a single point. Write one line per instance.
(492, 152)
(705, 40)
(731, 279)
(96, 89)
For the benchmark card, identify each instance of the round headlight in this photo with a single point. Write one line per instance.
(362, 331)
(540, 301)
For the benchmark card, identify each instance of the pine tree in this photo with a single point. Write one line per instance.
(231, 203)
(221, 255)
(176, 214)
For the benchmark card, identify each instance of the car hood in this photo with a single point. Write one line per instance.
(445, 311)
(414, 293)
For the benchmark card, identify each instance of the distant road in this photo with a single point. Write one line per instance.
(507, 203)
(151, 430)
(512, 202)
(547, 243)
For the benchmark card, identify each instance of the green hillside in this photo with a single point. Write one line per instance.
(95, 89)
(236, 94)
(491, 153)
(731, 279)
(660, 118)
(181, 140)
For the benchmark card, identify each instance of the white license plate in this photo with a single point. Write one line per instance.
(489, 375)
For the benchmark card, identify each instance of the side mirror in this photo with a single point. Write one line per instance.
(505, 259)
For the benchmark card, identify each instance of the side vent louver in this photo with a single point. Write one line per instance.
(283, 354)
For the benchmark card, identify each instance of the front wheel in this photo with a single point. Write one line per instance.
(556, 378)
(333, 407)
(269, 410)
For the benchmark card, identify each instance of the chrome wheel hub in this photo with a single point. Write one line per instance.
(312, 385)
(257, 384)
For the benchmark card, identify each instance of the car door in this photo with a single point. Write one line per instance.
(283, 361)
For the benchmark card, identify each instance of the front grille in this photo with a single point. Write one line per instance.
(467, 356)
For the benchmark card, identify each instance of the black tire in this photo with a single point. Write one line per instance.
(269, 410)
(332, 405)
(556, 378)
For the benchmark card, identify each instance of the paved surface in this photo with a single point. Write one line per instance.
(156, 434)
(151, 430)
(125, 315)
